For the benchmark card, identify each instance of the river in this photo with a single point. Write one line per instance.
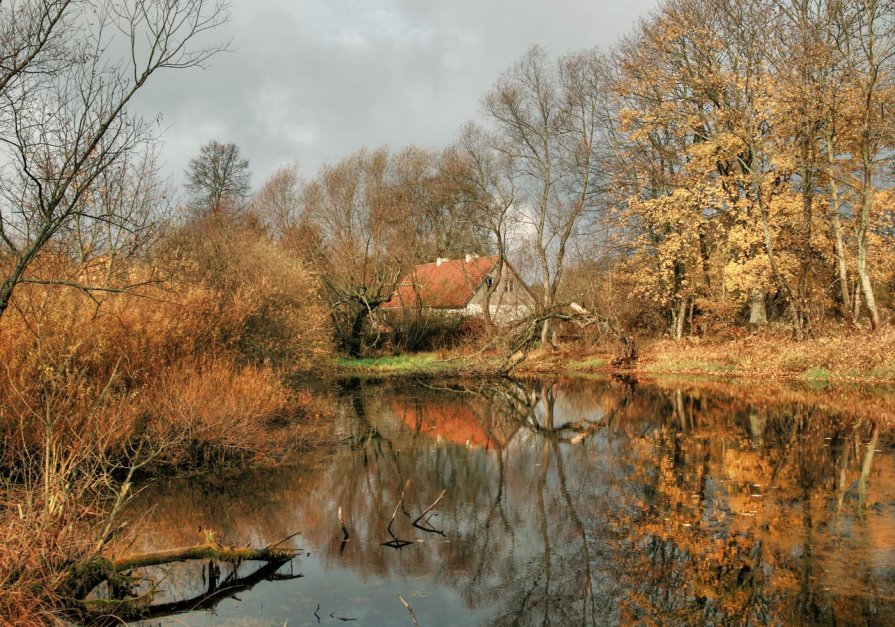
(562, 502)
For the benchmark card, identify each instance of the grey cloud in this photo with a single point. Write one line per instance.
(312, 80)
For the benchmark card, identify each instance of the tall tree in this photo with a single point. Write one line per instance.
(483, 181)
(218, 177)
(865, 46)
(549, 120)
(279, 202)
(349, 205)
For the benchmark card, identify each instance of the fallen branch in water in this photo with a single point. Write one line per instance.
(141, 607)
(279, 542)
(84, 579)
(409, 609)
(395, 542)
(212, 551)
(425, 526)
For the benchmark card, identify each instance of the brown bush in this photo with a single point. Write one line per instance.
(269, 307)
(213, 412)
(180, 374)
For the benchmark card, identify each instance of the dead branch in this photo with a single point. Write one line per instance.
(527, 333)
(409, 609)
(395, 542)
(425, 526)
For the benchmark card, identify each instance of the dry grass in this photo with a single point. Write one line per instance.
(861, 356)
(188, 374)
(218, 413)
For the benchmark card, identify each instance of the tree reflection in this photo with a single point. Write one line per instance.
(588, 502)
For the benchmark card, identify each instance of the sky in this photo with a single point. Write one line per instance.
(311, 81)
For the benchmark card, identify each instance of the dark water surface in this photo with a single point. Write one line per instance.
(580, 502)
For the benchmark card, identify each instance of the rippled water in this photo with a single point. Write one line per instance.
(564, 503)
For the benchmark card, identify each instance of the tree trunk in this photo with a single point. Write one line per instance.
(357, 326)
(861, 243)
(864, 223)
(545, 335)
(5, 295)
(835, 219)
(758, 312)
(546, 344)
(680, 318)
(846, 306)
(795, 304)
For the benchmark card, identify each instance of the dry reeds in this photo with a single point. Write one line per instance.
(180, 374)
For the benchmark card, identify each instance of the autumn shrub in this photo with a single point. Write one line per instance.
(268, 308)
(180, 373)
(217, 413)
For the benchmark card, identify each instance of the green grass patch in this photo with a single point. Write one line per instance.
(817, 374)
(883, 372)
(591, 363)
(427, 362)
(817, 377)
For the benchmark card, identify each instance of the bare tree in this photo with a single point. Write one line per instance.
(64, 123)
(218, 177)
(278, 202)
(350, 205)
(549, 120)
(483, 180)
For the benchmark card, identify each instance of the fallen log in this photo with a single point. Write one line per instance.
(208, 551)
(113, 611)
(85, 578)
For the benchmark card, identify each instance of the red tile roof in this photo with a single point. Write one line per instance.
(448, 285)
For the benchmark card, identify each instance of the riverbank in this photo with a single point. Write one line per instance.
(858, 358)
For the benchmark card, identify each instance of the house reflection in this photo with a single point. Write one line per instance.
(453, 422)
(582, 502)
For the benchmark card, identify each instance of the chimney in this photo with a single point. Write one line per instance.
(469, 258)
(439, 261)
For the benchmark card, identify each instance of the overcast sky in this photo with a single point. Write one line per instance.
(313, 80)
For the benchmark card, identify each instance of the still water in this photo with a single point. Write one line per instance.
(582, 502)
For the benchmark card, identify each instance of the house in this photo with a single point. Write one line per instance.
(464, 287)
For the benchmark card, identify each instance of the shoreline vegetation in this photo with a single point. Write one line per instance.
(854, 359)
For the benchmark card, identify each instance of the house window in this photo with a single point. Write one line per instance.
(508, 286)
(489, 281)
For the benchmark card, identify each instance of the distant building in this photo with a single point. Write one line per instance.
(462, 286)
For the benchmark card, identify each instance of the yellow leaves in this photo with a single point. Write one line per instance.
(742, 276)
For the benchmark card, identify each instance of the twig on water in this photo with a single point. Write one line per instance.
(396, 543)
(344, 619)
(345, 534)
(425, 526)
(409, 609)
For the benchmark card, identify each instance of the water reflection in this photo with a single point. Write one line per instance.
(564, 503)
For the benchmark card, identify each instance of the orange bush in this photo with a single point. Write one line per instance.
(181, 373)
